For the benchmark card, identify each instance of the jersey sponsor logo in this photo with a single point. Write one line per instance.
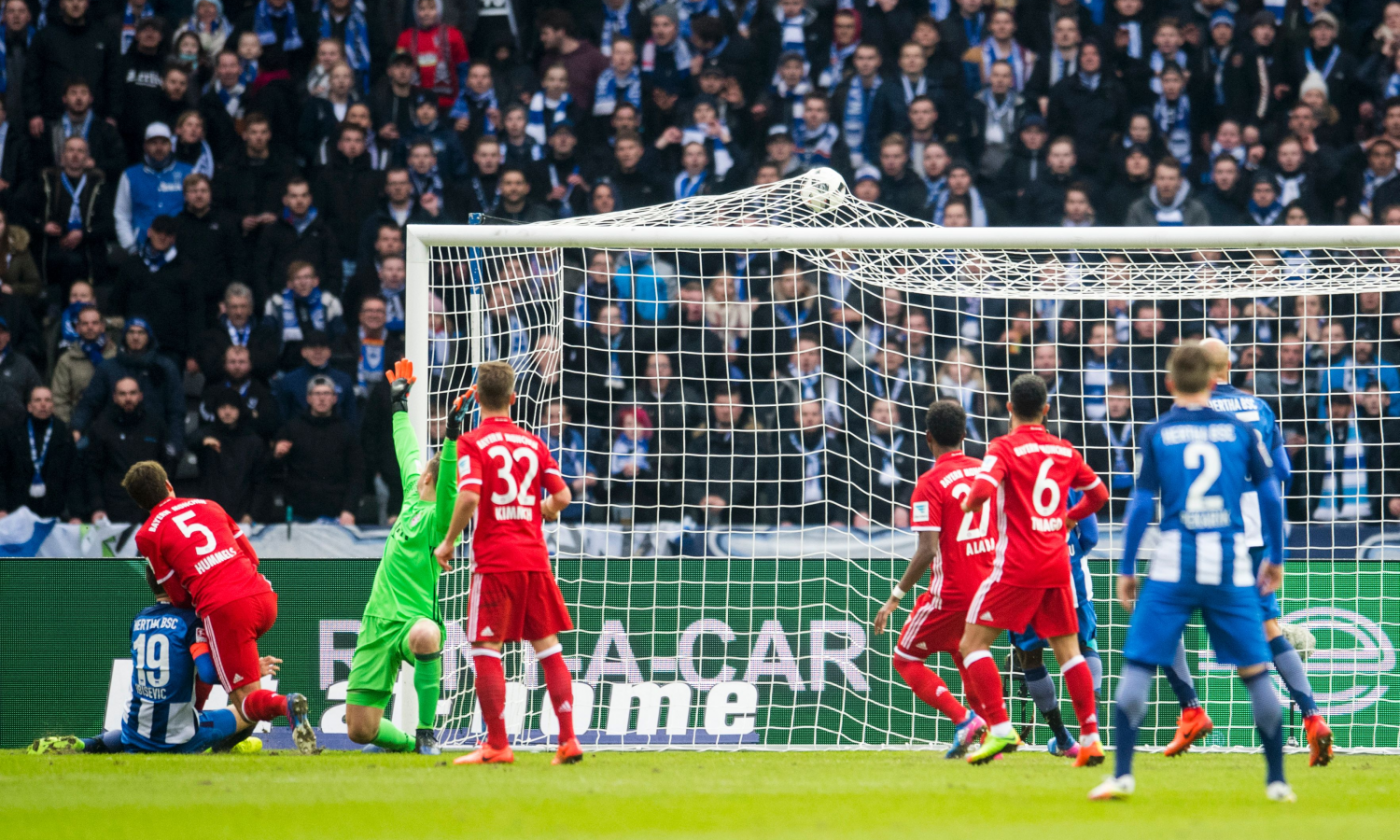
(921, 511)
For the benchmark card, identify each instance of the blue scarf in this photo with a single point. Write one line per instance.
(688, 185)
(299, 224)
(974, 196)
(1016, 57)
(605, 92)
(855, 116)
(1326, 70)
(393, 309)
(687, 9)
(155, 260)
(356, 41)
(1170, 215)
(75, 210)
(1134, 30)
(93, 349)
(1158, 61)
(1265, 215)
(292, 306)
(427, 183)
(615, 25)
(538, 127)
(69, 322)
(814, 147)
(1392, 87)
(812, 490)
(4, 57)
(1369, 182)
(625, 451)
(836, 65)
(128, 32)
(1344, 484)
(720, 157)
(371, 365)
(265, 21)
(680, 55)
(248, 76)
(467, 99)
(70, 130)
(1174, 120)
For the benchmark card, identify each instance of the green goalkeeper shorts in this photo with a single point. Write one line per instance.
(381, 650)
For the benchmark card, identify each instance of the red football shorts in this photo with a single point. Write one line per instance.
(1007, 607)
(930, 630)
(233, 631)
(511, 606)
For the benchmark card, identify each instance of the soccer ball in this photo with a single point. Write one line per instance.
(822, 189)
(1301, 638)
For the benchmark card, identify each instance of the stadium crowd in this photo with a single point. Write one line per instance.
(203, 205)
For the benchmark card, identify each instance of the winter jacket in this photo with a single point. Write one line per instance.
(160, 382)
(117, 440)
(71, 375)
(62, 480)
(17, 378)
(144, 193)
(235, 474)
(65, 49)
(324, 471)
(346, 192)
(47, 200)
(279, 245)
(170, 299)
(290, 392)
(104, 144)
(213, 244)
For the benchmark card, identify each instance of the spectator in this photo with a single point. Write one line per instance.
(235, 326)
(1221, 197)
(582, 61)
(158, 378)
(1168, 203)
(252, 183)
(439, 196)
(104, 144)
(381, 277)
(439, 52)
(721, 467)
(568, 191)
(347, 189)
(303, 305)
(124, 433)
(72, 207)
(666, 59)
(299, 236)
(320, 458)
(633, 187)
(812, 470)
(1044, 199)
(620, 81)
(39, 462)
(367, 352)
(804, 379)
(322, 117)
(883, 469)
(280, 27)
(209, 238)
(1110, 446)
(291, 389)
(143, 99)
(391, 99)
(209, 23)
(514, 203)
(398, 209)
(900, 189)
(222, 102)
(633, 472)
(17, 378)
(1345, 463)
(154, 187)
(18, 36)
(20, 276)
(854, 102)
(329, 53)
(163, 288)
(233, 459)
(70, 46)
(570, 451)
(258, 408)
(79, 361)
(1088, 106)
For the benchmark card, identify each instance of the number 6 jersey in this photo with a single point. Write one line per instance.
(199, 554)
(1033, 472)
(512, 470)
(965, 540)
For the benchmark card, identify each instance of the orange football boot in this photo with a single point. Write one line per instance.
(1090, 754)
(1319, 741)
(1193, 724)
(486, 754)
(569, 752)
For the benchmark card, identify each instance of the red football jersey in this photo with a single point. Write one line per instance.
(511, 469)
(966, 545)
(199, 554)
(1032, 471)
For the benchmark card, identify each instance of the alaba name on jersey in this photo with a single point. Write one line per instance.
(967, 543)
(512, 470)
(195, 544)
(1032, 471)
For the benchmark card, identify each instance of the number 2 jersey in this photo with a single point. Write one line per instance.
(1200, 462)
(1032, 470)
(199, 554)
(966, 541)
(512, 470)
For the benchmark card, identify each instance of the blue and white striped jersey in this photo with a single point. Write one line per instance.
(1256, 414)
(162, 713)
(1200, 462)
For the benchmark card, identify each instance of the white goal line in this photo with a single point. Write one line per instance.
(763, 237)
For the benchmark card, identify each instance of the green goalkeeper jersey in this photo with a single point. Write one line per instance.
(405, 586)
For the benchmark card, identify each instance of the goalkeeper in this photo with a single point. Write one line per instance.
(402, 621)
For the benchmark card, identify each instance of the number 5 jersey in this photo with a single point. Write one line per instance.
(200, 555)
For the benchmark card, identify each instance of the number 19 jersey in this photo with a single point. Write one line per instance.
(965, 540)
(1032, 471)
(511, 469)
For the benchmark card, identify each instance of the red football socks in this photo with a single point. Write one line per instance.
(264, 705)
(968, 691)
(930, 688)
(1080, 683)
(985, 680)
(561, 691)
(491, 694)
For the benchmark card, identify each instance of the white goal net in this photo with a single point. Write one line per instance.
(735, 388)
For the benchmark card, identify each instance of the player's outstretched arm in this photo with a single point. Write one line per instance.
(1141, 508)
(924, 556)
(462, 513)
(406, 449)
(447, 469)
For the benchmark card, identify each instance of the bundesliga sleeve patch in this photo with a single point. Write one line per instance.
(921, 511)
(464, 467)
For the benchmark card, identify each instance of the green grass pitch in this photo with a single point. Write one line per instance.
(764, 795)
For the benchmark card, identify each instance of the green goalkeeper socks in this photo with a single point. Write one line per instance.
(427, 679)
(392, 738)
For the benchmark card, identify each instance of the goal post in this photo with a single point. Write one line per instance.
(743, 379)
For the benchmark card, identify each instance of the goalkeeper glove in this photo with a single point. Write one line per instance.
(457, 416)
(401, 380)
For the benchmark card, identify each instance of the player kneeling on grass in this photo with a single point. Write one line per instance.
(959, 557)
(1031, 473)
(402, 621)
(168, 650)
(202, 558)
(1200, 462)
(502, 472)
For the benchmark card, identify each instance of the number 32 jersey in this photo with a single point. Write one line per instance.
(1033, 472)
(965, 540)
(512, 470)
(199, 554)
